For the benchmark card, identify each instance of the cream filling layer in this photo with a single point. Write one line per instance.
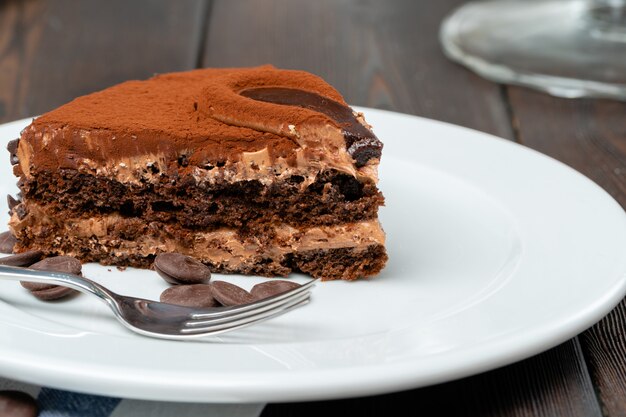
(139, 169)
(222, 246)
(313, 156)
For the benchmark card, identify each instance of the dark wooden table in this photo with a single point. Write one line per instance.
(382, 54)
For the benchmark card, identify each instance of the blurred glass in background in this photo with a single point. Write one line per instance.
(568, 48)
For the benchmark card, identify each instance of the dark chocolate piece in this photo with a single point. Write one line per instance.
(7, 242)
(36, 286)
(17, 404)
(22, 259)
(361, 143)
(12, 148)
(228, 294)
(273, 287)
(55, 292)
(47, 292)
(197, 296)
(177, 268)
(11, 202)
(65, 264)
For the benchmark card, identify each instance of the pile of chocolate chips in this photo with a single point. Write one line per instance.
(190, 279)
(192, 285)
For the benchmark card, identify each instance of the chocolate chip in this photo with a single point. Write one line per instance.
(177, 268)
(17, 404)
(7, 242)
(48, 292)
(55, 292)
(197, 295)
(270, 288)
(12, 148)
(66, 264)
(12, 145)
(11, 202)
(228, 294)
(36, 286)
(22, 259)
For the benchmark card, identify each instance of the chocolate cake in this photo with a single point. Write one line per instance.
(253, 171)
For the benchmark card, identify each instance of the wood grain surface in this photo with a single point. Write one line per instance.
(53, 51)
(378, 54)
(547, 385)
(590, 136)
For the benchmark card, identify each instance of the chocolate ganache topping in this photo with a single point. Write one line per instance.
(361, 143)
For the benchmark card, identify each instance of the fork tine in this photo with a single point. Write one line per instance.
(242, 322)
(276, 299)
(240, 326)
(247, 313)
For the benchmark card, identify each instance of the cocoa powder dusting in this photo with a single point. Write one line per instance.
(170, 116)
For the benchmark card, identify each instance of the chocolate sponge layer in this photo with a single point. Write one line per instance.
(332, 199)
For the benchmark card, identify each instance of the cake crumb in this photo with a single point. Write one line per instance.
(121, 268)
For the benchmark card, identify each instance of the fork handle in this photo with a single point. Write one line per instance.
(75, 282)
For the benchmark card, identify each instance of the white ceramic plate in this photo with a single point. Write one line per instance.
(496, 253)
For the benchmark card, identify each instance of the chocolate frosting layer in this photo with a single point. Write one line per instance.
(196, 119)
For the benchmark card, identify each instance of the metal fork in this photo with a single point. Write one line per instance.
(169, 321)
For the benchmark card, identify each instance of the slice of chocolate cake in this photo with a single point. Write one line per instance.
(253, 171)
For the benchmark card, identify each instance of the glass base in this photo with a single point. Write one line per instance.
(572, 48)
